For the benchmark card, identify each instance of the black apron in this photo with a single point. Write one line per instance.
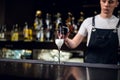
(103, 45)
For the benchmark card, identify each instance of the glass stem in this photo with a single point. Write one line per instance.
(59, 73)
(59, 56)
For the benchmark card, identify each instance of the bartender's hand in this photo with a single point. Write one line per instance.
(64, 33)
(67, 35)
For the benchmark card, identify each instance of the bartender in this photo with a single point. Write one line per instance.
(102, 33)
(103, 39)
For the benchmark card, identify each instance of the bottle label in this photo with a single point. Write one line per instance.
(14, 36)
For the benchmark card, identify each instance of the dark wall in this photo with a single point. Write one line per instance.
(2, 11)
(65, 6)
(21, 11)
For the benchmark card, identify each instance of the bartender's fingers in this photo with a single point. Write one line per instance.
(60, 35)
(67, 35)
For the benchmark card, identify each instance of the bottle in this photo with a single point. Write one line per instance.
(69, 18)
(69, 21)
(81, 19)
(38, 22)
(2, 32)
(26, 32)
(41, 35)
(47, 20)
(38, 35)
(118, 14)
(74, 26)
(15, 33)
(58, 20)
(30, 32)
(48, 27)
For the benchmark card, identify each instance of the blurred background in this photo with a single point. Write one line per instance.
(19, 11)
(27, 33)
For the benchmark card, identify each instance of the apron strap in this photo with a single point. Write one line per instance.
(118, 24)
(93, 21)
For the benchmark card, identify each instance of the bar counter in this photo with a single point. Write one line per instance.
(50, 70)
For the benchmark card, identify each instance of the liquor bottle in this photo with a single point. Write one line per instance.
(48, 27)
(3, 32)
(30, 33)
(42, 35)
(69, 21)
(74, 26)
(37, 34)
(26, 32)
(80, 20)
(47, 20)
(15, 33)
(118, 14)
(38, 22)
(58, 20)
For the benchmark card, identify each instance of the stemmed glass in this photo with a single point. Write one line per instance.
(59, 40)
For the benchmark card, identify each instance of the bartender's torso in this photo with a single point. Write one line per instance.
(102, 39)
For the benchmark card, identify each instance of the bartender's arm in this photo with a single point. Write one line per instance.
(73, 43)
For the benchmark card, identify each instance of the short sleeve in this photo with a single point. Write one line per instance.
(83, 30)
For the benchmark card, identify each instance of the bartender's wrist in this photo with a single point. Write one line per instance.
(67, 41)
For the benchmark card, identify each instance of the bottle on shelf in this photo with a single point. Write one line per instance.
(37, 35)
(48, 20)
(42, 35)
(74, 26)
(3, 30)
(15, 33)
(118, 14)
(26, 32)
(48, 27)
(81, 19)
(30, 33)
(58, 20)
(69, 21)
(38, 24)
